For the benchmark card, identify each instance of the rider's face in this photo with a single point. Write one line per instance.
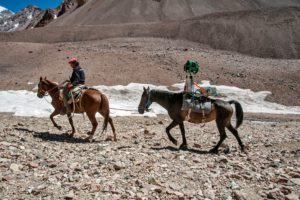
(72, 65)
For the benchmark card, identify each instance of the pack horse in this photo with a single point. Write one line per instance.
(221, 112)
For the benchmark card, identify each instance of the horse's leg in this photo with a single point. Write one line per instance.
(72, 124)
(112, 127)
(236, 135)
(172, 125)
(184, 144)
(93, 120)
(53, 114)
(221, 128)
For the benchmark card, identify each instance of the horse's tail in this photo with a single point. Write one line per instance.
(239, 113)
(104, 110)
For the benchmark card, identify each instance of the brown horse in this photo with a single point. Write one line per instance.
(92, 101)
(221, 112)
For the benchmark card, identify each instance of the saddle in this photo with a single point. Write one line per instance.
(75, 94)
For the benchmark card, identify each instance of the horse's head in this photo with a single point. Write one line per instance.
(145, 101)
(42, 87)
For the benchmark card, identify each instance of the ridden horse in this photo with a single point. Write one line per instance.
(221, 112)
(91, 102)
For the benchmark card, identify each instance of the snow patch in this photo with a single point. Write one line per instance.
(2, 9)
(29, 17)
(124, 101)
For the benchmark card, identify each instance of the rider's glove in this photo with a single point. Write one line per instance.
(69, 86)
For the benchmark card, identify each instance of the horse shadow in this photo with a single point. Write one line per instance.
(170, 148)
(53, 137)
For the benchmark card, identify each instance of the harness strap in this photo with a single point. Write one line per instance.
(148, 102)
(201, 88)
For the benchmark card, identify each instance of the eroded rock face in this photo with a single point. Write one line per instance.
(4, 13)
(44, 18)
(20, 20)
(69, 6)
(33, 17)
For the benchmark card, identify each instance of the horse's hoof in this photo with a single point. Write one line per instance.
(244, 149)
(88, 139)
(214, 151)
(183, 147)
(174, 142)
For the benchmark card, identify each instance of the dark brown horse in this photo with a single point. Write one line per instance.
(221, 112)
(92, 101)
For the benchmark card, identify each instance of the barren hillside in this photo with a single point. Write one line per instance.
(99, 12)
(271, 33)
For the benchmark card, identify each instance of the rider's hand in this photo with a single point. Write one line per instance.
(69, 86)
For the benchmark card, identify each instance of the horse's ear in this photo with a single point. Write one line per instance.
(45, 78)
(41, 78)
(148, 88)
(144, 88)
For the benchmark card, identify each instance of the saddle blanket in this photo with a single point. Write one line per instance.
(197, 106)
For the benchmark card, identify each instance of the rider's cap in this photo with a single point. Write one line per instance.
(73, 60)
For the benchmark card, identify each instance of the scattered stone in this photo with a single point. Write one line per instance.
(245, 195)
(52, 165)
(70, 195)
(274, 194)
(296, 180)
(294, 174)
(14, 167)
(196, 145)
(223, 159)
(33, 165)
(234, 185)
(285, 190)
(146, 132)
(7, 178)
(175, 186)
(118, 166)
(292, 196)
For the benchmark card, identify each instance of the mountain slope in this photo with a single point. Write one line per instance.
(20, 20)
(5, 13)
(98, 12)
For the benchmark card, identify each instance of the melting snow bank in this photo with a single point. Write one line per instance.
(124, 101)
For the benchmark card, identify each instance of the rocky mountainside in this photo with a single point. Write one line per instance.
(32, 16)
(20, 20)
(5, 13)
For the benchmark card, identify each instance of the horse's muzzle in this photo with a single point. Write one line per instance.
(39, 96)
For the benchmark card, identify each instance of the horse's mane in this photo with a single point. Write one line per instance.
(167, 94)
(50, 82)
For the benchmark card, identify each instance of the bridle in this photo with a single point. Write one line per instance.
(148, 103)
(46, 91)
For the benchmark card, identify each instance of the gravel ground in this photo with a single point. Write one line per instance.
(38, 161)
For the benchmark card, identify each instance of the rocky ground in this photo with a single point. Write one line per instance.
(38, 161)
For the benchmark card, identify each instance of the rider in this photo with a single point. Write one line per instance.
(77, 79)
